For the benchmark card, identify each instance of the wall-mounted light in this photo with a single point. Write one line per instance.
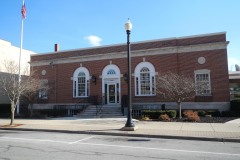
(125, 77)
(94, 79)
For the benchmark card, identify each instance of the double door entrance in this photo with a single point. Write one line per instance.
(112, 93)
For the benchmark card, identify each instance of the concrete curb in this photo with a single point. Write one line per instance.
(131, 135)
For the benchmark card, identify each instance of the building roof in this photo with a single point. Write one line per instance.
(234, 75)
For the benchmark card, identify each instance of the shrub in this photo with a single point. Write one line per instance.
(214, 113)
(164, 117)
(201, 113)
(153, 114)
(171, 113)
(145, 118)
(191, 116)
(208, 115)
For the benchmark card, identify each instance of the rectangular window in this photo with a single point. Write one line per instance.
(203, 84)
(153, 85)
(81, 86)
(137, 83)
(145, 83)
(42, 94)
(88, 92)
(75, 87)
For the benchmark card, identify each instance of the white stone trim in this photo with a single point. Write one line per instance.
(147, 41)
(136, 53)
(114, 78)
(137, 75)
(203, 71)
(75, 79)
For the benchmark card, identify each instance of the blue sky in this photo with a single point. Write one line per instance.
(86, 23)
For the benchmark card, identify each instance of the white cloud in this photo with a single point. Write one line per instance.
(93, 40)
(231, 63)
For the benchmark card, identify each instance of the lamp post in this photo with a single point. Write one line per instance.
(129, 123)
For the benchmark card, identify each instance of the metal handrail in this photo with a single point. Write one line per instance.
(99, 109)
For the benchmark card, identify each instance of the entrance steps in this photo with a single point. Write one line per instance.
(107, 111)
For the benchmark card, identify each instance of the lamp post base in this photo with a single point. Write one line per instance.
(129, 128)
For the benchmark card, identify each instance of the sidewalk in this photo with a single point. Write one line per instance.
(224, 132)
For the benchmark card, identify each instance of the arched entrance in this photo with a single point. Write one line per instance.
(111, 84)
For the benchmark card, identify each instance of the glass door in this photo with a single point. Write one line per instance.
(111, 93)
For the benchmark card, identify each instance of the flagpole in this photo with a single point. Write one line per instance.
(19, 63)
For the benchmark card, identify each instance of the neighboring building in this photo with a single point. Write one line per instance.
(11, 53)
(234, 84)
(75, 76)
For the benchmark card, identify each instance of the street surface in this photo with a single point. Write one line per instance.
(19, 145)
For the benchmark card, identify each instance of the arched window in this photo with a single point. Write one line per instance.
(111, 72)
(81, 82)
(145, 83)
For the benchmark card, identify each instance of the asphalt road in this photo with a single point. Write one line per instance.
(18, 145)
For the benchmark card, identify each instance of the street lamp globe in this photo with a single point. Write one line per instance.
(128, 25)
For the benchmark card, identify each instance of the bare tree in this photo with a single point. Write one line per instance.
(13, 88)
(176, 87)
(35, 85)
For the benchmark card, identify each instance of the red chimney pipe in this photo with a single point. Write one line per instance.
(56, 47)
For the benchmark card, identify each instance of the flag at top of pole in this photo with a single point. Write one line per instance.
(23, 11)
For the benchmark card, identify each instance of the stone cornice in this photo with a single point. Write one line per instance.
(137, 53)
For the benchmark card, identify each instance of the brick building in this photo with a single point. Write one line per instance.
(75, 76)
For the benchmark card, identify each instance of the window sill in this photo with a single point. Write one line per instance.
(82, 97)
(145, 95)
(43, 98)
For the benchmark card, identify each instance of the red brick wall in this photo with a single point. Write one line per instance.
(216, 62)
(59, 75)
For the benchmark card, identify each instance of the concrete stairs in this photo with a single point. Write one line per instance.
(89, 112)
(107, 111)
(111, 111)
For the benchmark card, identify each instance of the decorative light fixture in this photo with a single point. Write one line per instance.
(125, 77)
(94, 79)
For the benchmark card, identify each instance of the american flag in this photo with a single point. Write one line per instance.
(23, 11)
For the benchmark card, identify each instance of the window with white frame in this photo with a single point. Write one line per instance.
(145, 83)
(81, 82)
(43, 92)
(203, 82)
